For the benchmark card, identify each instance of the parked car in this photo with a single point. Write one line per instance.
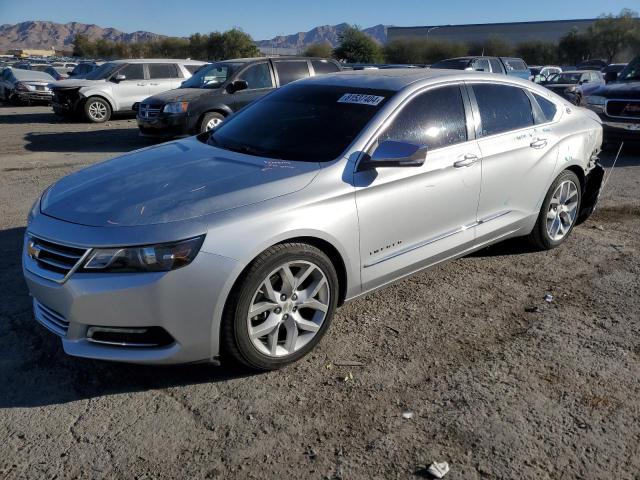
(618, 105)
(219, 89)
(58, 73)
(18, 85)
(574, 85)
(115, 86)
(83, 69)
(244, 240)
(596, 64)
(40, 67)
(515, 67)
(611, 71)
(540, 74)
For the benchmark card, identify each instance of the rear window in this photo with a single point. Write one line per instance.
(163, 70)
(453, 63)
(314, 123)
(502, 108)
(515, 64)
(289, 71)
(548, 108)
(321, 66)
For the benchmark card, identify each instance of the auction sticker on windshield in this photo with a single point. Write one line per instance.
(360, 99)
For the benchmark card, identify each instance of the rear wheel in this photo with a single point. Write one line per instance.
(559, 212)
(97, 110)
(281, 308)
(210, 121)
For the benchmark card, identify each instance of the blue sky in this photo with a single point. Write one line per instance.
(267, 18)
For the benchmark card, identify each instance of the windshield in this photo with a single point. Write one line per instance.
(631, 72)
(453, 63)
(565, 78)
(314, 123)
(103, 71)
(211, 76)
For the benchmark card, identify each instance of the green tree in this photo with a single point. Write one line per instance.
(611, 34)
(495, 46)
(238, 44)
(320, 49)
(573, 47)
(357, 47)
(82, 46)
(537, 52)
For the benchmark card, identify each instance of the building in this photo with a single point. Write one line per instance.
(516, 32)
(29, 52)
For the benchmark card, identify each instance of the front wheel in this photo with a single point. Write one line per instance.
(210, 121)
(559, 211)
(281, 308)
(97, 110)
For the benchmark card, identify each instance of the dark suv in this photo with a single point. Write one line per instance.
(219, 89)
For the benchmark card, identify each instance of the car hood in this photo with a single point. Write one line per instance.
(619, 90)
(171, 182)
(75, 83)
(180, 95)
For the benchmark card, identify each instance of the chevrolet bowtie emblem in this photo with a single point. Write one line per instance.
(32, 250)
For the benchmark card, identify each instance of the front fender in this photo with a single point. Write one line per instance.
(94, 92)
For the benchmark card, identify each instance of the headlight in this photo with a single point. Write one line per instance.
(176, 107)
(148, 258)
(23, 87)
(595, 100)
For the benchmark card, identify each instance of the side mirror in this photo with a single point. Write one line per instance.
(119, 78)
(610, 77)
(237, 85)
(396, 154)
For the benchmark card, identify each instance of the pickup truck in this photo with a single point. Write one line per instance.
(515, 67)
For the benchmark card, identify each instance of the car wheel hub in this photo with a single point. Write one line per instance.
(213, 123)
(563, 209)
(288, 308)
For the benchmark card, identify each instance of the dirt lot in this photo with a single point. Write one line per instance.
(496, 391)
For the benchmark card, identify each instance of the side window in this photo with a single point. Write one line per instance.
(321, 67)
(288, 71)
(481, 64)
(548, 108)
(435, 118)
(496, 66)
(162, 70)
(132, 71)
(257, 76)
(193, 68)
(502, 108)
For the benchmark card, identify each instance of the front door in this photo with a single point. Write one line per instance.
(260, 82)
(410, 217)
(134, 88)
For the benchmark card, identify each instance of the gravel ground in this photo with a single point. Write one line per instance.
(496, 391)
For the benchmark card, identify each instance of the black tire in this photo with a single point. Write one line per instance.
(101, 105)
(207, 117)
(234, 333)
(540, 236)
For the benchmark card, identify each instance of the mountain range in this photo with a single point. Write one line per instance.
(45, 35)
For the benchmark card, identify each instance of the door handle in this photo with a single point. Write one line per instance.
(141, 84)
(466, 160)
(538, 143)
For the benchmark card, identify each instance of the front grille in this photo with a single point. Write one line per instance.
(149, 111)
(54, 257)
(623, 108)
(50, 319)
(66, 96)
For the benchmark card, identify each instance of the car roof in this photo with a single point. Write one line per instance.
(157, 60)
(274, 57)
(29, 75)
(398, 79)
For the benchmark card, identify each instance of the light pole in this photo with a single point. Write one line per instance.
(429, 30)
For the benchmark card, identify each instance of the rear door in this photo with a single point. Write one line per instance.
(517, 156)
(496, 66)
(163, 77)
(260, 81)
(134, 88)
(288, 71)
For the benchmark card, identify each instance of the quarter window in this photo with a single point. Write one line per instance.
(322, 66)
(548, 108)
(435, 118)
(502, 108)
(162, 70)
(133, 71)
(257, 76)
(481, 64)
(288, 71)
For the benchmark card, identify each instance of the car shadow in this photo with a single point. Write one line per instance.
(7, 118)
(35, 371)
(512, 246)
(96, 141)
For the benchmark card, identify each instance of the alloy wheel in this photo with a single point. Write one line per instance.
(98, 111)
(563, 210)
(213, 123)
(288, 308)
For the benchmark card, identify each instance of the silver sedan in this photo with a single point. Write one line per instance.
(242, 242)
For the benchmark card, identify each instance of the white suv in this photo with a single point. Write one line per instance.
(115, 86)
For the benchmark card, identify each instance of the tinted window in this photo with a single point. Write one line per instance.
(452, 63)
(290, 71)
(548, 108)
(481, 64)
(324, 67)
(435, 118)
(313, 123)
(133, 71)
(502, 108)
(496, 66)
(257, 76)
(212, 75)
(163, 70)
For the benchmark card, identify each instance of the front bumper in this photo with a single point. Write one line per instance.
(164, 125)
(184, 302)
(35, 96)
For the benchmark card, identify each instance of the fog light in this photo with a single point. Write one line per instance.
(130, 337)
